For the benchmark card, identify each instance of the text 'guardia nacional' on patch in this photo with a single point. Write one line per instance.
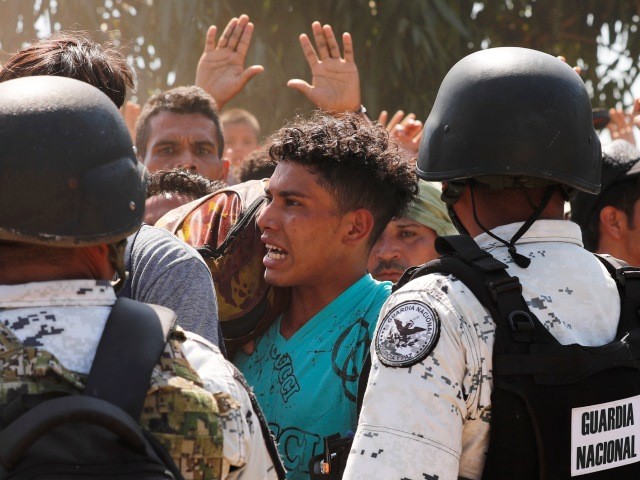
(605, 436)
(407, 334)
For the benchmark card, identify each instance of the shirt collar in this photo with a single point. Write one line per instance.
(541, 231)
(59, 293)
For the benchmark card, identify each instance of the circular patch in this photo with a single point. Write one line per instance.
(407, 334)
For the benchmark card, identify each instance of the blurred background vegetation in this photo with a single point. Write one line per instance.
(403, 48)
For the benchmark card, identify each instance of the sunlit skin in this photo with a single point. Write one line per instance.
(155, 207)
(312, 248)
(404, 243)
(187, 141)
(239, 141)
(620, 234)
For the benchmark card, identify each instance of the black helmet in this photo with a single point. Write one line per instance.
(68, 172)
(512, 112)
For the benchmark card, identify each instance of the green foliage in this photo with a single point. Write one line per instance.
(403, 48)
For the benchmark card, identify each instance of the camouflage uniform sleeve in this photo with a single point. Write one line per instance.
(183, 416)
(413, 419)
(245, 448)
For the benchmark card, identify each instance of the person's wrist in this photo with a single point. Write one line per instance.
(361, 110)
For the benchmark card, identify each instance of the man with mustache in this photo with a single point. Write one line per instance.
(408, 241)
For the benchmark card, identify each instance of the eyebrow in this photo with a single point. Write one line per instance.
(287, 193)
(206, 143)
(408, 224)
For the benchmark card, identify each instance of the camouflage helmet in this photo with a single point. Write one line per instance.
(512, 112)
(69, 175)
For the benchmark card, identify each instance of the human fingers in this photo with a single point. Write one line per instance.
(251, 72)
(245, 40)
(238, 31)
(321, 41)
(332, 43)
(228, 31)
(576, 69)
(347, 46)
(301, 86)
(636, 112)
(395, 120)
(413, 128)
(408, 119)
(382, 118)
(210, 39)
(617, 125)
(308, 50)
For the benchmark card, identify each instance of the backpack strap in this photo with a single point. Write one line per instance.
(628, 281)
(134, 337)
(485, 276)
(126, 290)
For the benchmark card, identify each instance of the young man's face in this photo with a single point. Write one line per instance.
(302, 229)
(239, 141)
(404, 243)
(187, 141)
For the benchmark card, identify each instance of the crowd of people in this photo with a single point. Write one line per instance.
(347, 298)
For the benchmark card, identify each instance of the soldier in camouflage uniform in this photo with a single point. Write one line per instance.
(510, 136)
(71, 191)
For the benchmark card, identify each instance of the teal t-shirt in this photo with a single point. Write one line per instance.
(307, 385)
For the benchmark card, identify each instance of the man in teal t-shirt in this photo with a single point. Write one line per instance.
(336, 185)
(307, 384)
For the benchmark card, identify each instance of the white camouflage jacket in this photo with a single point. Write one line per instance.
(431, 420)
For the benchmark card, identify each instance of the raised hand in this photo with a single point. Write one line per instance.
(221, 69)
(406, 130)
(335, 84)
(621, 124)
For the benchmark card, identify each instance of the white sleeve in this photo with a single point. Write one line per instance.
(415, 420)
(245, 452)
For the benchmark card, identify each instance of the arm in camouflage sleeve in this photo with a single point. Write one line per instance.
(249, 450)
(184, 417)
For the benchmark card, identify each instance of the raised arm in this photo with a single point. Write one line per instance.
(221, 69)
(335, 84)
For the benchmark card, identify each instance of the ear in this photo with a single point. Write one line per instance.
(225, 169)
(613, 223)
(97, 259)
(359, 225)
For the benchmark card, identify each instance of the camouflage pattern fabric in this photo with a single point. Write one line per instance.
(247, 306)
(177, 410)
(431, 419)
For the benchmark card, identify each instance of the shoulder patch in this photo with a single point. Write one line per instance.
(407, 334)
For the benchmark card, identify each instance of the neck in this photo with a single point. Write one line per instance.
(307, 301)
(42, 264)
(505, 208)
(617, 249)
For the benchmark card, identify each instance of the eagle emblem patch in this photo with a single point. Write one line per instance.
(407, 334)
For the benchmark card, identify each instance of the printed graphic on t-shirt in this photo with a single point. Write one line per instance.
(346, 353)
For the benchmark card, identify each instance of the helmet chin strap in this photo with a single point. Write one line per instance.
(520, 260)
(450, 196)
(116, 258)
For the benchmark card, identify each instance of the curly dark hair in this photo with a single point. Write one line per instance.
(75, 55)
(256, 166)
(182, 182)
(355, 162)
(182, 100)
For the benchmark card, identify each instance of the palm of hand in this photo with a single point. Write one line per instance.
(222, 69)
(335, 82)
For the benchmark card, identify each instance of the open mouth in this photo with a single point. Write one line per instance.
(275, 252)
